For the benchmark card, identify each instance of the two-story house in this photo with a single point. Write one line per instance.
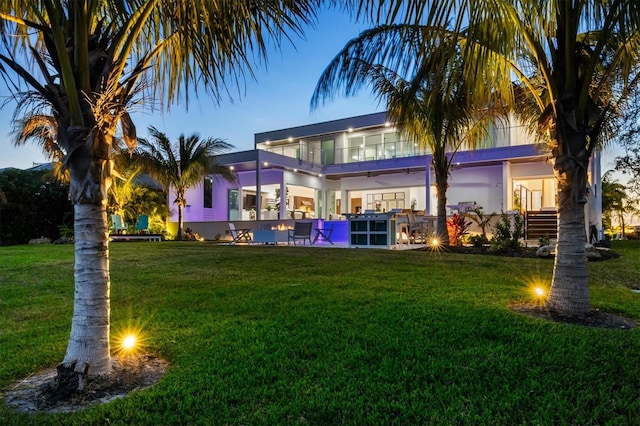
(363, 163)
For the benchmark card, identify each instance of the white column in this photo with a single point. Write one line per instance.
(258, 185)
(427, 190)
(596, 186)
(282, 214)
(507, 193)
(345, 203)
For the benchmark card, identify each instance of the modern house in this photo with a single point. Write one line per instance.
(325, 170)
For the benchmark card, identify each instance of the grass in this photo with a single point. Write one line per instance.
(285, 335)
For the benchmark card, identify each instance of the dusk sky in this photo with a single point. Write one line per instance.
(279, 98)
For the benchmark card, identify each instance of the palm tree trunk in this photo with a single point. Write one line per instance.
(88, 351)
(180, 222)
(441, 221)
(442, 183)
(569, 288)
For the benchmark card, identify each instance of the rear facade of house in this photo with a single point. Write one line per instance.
(360, 164)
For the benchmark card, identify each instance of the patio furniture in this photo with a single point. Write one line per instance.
(300, 231)
(324, 233)
(239, 235)
(142, 225)
(118, 224)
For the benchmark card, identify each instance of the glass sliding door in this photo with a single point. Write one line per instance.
(233, 204)
(328, 151)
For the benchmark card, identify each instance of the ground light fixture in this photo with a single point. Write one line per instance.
(129, 342)
(538, 290)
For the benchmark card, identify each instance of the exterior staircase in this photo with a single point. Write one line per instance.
(541, 223)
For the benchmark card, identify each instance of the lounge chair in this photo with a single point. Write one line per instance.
(239, 235)
(142, 226)
(118, 224)
(300, 231)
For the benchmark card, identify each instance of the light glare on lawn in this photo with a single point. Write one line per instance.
(538, 290)
(129, 342)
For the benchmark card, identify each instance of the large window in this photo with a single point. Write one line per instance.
(208, 192)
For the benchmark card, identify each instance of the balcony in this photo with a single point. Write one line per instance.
(355, 154)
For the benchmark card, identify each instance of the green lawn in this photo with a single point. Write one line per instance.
(286, 335)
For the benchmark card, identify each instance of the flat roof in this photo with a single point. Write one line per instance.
(323, 128)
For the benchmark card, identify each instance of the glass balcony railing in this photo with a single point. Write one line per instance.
(354, 154)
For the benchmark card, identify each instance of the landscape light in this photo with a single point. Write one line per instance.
(129, 342)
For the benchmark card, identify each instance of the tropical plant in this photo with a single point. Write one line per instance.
(482, 219)
(180, 166)
(457, 228)
(616, 204)
(86, 63)
(575, 62)
(431, 106)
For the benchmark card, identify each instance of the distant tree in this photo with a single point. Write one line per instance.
(628, 137)
(180, 166)
(616, 204)
(33, 206)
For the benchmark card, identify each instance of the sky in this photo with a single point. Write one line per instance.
(279, 98)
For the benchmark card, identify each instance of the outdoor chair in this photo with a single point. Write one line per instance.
(324, 234)
(118, 224)
(300, 231)
(239, 235)
(142, 225)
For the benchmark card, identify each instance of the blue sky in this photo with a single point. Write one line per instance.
(278, 99)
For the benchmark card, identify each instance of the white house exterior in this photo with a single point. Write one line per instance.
(351, 165)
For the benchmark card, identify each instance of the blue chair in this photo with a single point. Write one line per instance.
(118, 224)
(142, 226)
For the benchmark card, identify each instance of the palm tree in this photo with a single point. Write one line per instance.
(182, 166)
(576, 60)
(431, 107)
(616, 202)
(86, 63)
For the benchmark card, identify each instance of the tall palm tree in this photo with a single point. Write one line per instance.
(86, 63)
(431, 107)
(576, 60)
(184, 165)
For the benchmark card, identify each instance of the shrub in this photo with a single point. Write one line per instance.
(506, 236)
(544, 241)
(478, 240)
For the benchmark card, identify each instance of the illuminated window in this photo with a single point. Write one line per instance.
(208, 192)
